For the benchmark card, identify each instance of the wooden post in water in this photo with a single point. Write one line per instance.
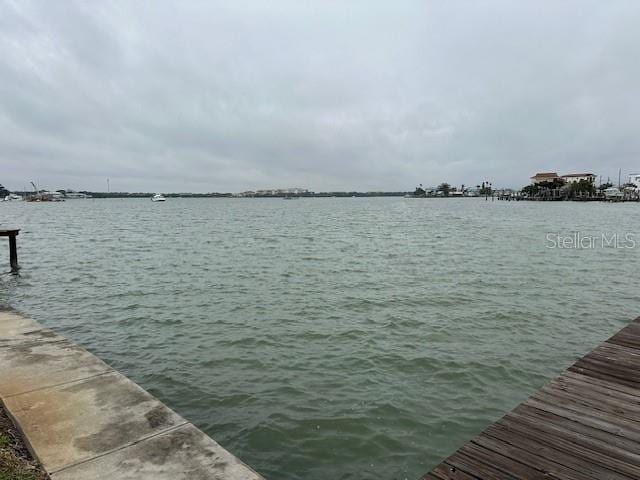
(13, 248)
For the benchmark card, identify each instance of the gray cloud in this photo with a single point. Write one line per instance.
(227, 96)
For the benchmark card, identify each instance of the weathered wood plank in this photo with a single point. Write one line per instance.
(587, 417)
(504, 463)
(598, 371)
(553, 420)
(547, 465)
(466, 463)
(614, 388)
(627, 341)
(554, 450)
(579, 444)
(595, 401)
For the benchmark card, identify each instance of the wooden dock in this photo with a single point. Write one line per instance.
(583, 425)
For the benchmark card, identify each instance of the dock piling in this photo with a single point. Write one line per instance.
(13, 248)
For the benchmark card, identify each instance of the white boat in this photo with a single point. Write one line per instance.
(12, 197)
(613, 193)
(158, 197)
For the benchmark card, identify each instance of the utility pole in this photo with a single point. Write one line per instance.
(619, 174)
(108, 188)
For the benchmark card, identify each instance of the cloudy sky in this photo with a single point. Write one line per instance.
(327, 95)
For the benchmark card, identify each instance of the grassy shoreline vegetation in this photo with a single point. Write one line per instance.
(16, 462)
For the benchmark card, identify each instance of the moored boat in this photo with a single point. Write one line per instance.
(12, 197)
(613, 193)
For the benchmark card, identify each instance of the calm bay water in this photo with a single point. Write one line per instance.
(328, 338)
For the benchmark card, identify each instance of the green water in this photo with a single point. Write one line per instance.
(328, 338)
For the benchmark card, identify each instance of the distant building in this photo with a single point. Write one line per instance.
(576, 177)
(293, 191)
(274, 192)
(544, 177)
(635, 179)
(68, 193)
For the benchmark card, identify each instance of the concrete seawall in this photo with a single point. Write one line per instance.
(83, 420)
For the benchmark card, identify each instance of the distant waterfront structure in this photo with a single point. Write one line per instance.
(72, 194)
(549, 186)
(274, 192)
(45, 196)
(576, 177)
(544, 177)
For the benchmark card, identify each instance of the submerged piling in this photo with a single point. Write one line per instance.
(13, 247)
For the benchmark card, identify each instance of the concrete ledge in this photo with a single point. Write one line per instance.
(83, 420)
(185, 452)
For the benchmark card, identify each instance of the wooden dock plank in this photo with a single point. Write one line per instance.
(563, 423)
(598, 374)
(586, 417)
(553, 451)
(600, 403)
(504, 463)
(596, 370)
(613, 365)
(466, 463)
(547, 466)
(614, 388)
(579, 446)
(583, 425)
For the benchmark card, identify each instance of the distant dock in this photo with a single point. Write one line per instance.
(583, 425)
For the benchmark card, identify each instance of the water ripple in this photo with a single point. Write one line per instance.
(327, 338)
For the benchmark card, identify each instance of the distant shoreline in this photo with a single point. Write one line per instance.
(234, 195)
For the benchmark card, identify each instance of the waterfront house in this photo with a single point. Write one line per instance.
(544, 177)
(634, 178)
(576, 177)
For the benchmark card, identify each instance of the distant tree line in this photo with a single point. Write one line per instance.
(332, 194)
(224, 195)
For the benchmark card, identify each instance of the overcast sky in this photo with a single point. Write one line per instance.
(326, 95)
